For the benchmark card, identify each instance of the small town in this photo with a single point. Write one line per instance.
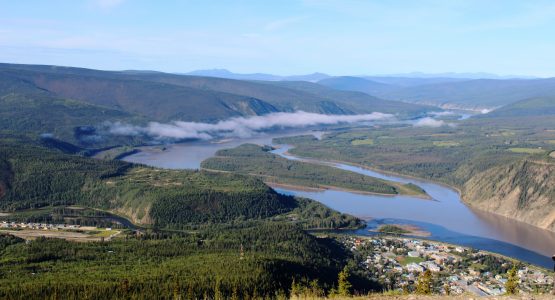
(398, 263)
(74, 232)
(39, 226)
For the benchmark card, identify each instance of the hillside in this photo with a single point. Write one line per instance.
(32, 177)
(151, 100)
(200, 233)
(348, 83)
(447, 92)
(479, 93)
(361, 101)
(521, 190)
(540, 106)
(164, 97)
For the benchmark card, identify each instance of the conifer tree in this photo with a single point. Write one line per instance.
(511, 286)
(424, 283)
(343, 284)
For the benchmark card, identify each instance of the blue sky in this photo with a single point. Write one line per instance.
(284, 37)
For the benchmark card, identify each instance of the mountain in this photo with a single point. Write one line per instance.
(454, 75)
(480, 93)
(411, 81)
(523, 190)
(348, 83)
(314, 77)
(71, 104)
(540, 106)
(447, 92)
(163, 97)
(358, 100)
(223, 73)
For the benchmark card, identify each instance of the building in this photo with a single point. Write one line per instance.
(413, 267)
(414, 254)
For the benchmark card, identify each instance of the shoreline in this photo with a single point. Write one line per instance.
(445, 185)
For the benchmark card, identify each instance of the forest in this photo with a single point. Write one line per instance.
(249, 159)
(198, 234)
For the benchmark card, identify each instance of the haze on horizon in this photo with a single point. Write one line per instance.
(346, 37)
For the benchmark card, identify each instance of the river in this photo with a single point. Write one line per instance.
(445, 217)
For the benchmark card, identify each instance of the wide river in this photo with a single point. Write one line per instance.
(445, 217)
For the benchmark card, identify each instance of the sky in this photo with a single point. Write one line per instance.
(284, 37)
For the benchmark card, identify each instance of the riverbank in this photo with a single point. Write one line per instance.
(464, 198)
(449, 219)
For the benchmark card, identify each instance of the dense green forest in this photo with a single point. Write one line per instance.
(201, 234)
(450, 154)
(255, 261)
(502, 163)
(34, 177)
(255, 160)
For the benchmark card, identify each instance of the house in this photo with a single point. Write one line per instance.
(413, 267)
(431, 266)
(414, 254)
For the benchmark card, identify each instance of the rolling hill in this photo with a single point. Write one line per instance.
(71, 104)
(348, 83)
(540, 106)
(164, 97)
(447, 92)
(480, 93)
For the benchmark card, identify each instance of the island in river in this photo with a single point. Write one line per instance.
(447, 219)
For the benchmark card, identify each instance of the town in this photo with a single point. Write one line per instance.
(31, 230)
(398, 262)
(43, 226)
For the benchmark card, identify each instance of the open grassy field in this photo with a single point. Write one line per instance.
(405, 260)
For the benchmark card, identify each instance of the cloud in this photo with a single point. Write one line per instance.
(239, 126)
(442, 113)
(429, 122)
(486, 111)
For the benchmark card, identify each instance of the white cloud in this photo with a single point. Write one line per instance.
(429, 122)
(442, 113)
(486, 110)
(239, 126)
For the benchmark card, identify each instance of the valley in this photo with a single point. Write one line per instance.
(105, 162)
(446, 216)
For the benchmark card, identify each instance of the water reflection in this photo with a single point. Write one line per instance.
(448, 219)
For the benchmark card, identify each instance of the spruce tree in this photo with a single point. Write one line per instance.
(423, 286)
(511, 286)
(343, 284)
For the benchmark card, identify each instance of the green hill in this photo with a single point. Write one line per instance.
(477, 93)
(32, 177)
(355, 100)
(163, 96)
(540, 106)
(349, 83)
(451, 92)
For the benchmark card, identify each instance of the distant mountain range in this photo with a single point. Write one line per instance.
(447, 92)
(223, 73)
(71, 102)
(418, 77)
